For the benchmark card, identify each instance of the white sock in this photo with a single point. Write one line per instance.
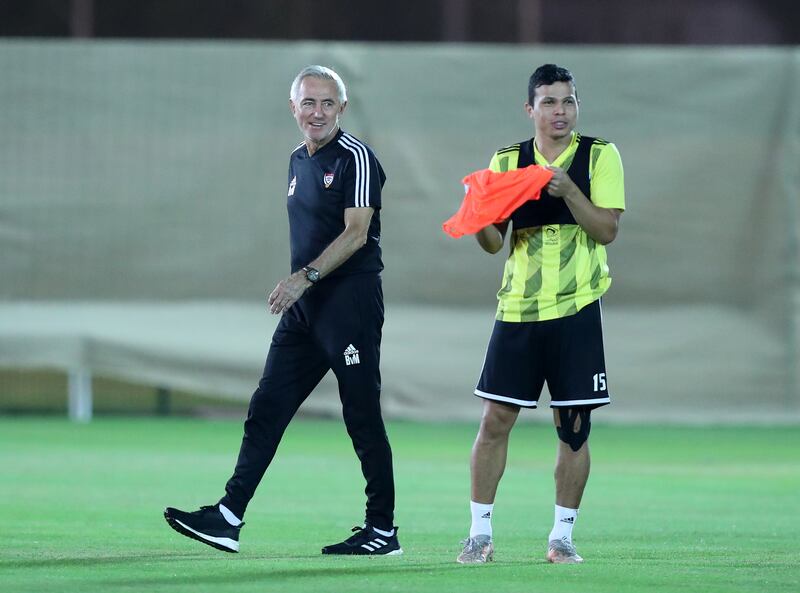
(564, 522)
(481, 519)
(383, 533)
(229, 516)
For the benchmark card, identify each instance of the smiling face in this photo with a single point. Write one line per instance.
(316, 108)
(554, 111)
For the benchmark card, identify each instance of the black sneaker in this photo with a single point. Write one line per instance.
(207, 526)
(367, 542)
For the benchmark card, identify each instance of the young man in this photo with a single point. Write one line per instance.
(548, 325)
(332, 318)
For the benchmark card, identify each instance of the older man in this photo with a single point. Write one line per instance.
(332, 319)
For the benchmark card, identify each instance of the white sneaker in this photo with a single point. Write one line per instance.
(560, 551)
(477, 550)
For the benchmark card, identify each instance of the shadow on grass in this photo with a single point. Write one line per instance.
(190, 562)
(309, 571)
(89, 561)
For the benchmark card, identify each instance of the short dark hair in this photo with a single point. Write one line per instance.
(547, 74)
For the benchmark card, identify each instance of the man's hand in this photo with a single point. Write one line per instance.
(287, 292)
(560, 185)
(601, 224)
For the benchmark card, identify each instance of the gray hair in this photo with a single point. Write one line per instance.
(318, 72)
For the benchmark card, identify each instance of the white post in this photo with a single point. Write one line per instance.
(80, 394)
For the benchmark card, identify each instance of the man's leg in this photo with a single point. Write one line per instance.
(351, 334)
(353, 343)
(576, 377)
(487, 464)
(360, 392)
(571, 474)
(505, 385)
(294, 367)
(359, 389)
(572, 465)
(361, 411)
(489, 452)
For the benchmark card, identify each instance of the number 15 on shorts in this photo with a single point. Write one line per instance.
(599, 381)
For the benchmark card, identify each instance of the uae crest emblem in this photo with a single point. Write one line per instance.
(327, 179)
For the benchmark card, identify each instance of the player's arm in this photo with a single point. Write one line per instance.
(601, 224)
(491, 238)
(599, 217)
(350, 240)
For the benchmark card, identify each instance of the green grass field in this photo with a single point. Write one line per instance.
(667, 509)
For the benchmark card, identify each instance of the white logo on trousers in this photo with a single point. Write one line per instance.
(351, 355)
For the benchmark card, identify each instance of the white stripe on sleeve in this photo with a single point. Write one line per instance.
(362, 172)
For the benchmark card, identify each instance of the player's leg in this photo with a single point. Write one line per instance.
(295, 365)
(572, 459)
(487, 465)
(350, 331)
(490, 449)
(360, 393)
(577, 382)
(506, 384)
(293, 368)
(571, 474)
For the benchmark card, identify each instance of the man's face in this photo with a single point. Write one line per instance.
(555, 110)
(317, 108)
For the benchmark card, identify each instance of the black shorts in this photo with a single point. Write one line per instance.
(566, 352)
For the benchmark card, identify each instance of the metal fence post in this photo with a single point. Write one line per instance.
(80, 394)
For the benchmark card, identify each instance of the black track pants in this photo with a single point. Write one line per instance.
(335, 326)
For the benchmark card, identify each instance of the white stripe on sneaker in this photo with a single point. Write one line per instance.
(223, 541)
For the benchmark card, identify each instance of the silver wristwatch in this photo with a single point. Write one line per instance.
(312, 274)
